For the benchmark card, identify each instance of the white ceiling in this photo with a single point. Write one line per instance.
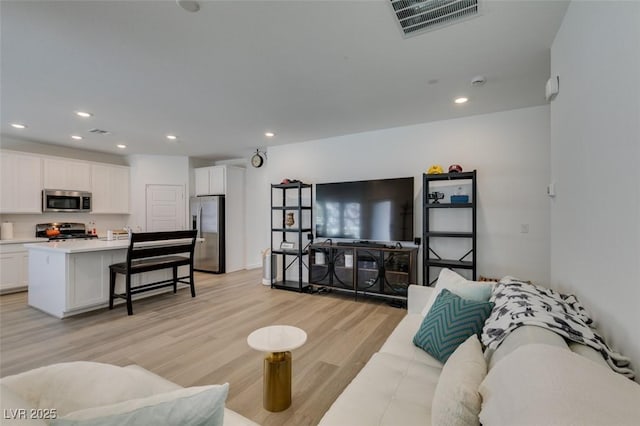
(221, 77)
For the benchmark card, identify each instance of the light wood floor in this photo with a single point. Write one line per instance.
(203, 340)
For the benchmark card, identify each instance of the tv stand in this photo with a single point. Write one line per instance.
(369, 270)
(362, 243)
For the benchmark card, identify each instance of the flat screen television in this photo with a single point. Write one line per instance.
(371, 210)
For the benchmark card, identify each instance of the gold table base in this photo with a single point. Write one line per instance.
(276, 395)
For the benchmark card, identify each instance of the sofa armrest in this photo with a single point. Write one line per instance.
(418, 297)
(15, 410)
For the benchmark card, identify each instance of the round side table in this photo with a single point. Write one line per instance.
(278, 341)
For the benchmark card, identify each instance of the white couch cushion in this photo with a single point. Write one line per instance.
(39, 388)
(389, 390)
(457, 400)
(589, 353)
(545, 385)
(193, 406)
(231, 418)
(17, 411)
(71, 386)
(479, 291)
(400, 342)
(417, 298)
(524, 335)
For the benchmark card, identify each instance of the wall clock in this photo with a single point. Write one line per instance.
(257, 160)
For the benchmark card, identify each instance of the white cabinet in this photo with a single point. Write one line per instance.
(67, 174)
(88, 282)
(228, 181)
(110, 188)
(21, 183)
(211, 180)
(14, 267)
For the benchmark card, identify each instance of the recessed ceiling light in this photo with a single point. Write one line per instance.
(269, 134)
(76, 137)
(84, 114)
(18, 126)
(461, 100)
(121, 146)
(172, 137)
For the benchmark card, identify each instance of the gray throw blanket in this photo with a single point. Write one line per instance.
(520, 303)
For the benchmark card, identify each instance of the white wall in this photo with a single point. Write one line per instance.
(257, 208)
(595, 161)
(509, 149)
(156, 170)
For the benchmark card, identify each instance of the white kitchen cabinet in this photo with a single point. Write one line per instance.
(110, 188)
(21, 183)
(211, 180)
(88, 282)
(66, 174)
(14, 268)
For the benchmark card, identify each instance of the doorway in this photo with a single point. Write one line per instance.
(165, 208)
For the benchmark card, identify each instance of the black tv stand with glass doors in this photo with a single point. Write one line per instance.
(377, 271)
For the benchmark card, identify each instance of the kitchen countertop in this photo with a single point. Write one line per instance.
(82, 246)
(23, 240)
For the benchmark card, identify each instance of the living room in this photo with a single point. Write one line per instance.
(575, 243)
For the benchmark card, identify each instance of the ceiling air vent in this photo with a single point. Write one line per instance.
(418, 16)
(99, 131)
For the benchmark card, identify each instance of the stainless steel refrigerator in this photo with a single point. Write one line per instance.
(207, 216)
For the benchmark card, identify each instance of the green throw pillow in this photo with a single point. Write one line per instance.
(449, 322)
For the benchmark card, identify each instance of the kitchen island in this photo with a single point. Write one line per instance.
(71, 277)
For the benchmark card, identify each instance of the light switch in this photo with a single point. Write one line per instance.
(524, 228)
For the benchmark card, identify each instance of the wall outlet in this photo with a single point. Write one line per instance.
(524, 228)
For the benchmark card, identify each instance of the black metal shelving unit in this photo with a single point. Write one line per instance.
(294, 257)
(431, 259)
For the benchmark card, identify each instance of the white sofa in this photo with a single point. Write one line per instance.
(85, 389)
(398, 384)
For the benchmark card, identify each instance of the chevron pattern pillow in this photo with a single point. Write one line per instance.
(449, 322)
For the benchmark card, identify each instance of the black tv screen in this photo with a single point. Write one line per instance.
(376, 210)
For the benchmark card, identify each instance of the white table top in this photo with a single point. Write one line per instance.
(277, 338)
(95, 244)
(23, 240)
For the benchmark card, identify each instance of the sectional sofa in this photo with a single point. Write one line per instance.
(534, 377)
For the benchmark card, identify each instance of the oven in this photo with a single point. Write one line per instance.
(54, 200)
(63, 231)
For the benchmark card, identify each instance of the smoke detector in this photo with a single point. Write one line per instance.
(99, 131)
(478, 80)
(189, 5)
(418, 16)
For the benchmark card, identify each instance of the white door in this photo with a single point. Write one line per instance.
(165, 208)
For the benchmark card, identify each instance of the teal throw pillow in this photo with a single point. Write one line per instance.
(449, 322)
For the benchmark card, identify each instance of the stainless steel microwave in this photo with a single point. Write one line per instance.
(55, 200)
